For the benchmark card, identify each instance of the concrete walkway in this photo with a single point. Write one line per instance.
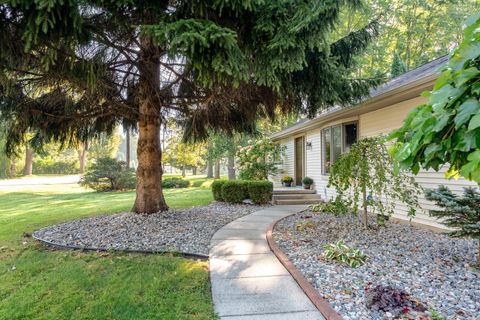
(248, 281)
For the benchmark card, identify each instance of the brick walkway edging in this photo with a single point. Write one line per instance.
(320, 303)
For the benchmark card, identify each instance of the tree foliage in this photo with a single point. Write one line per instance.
(398, 66)
(447, 128)
(418, 30)
(366, 176)
(259, 159)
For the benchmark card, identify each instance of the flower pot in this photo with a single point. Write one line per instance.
(287, 184)
(306, 186)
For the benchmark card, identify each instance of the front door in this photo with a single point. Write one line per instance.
(299, 154)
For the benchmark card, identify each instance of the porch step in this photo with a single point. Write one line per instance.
(296, 201)
(293, 191)
(290, 196)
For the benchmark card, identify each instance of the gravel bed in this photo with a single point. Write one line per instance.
(433, 268)
(185, 230)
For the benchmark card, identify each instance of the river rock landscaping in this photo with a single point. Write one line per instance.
(186, 231)
(432, 272)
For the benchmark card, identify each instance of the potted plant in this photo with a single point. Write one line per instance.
(307, 182)
(287, 181)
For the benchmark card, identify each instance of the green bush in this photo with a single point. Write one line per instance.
(260, 192)
(107, 174)
(175, 182)
(217, 189)
(307, 180)
(44, 166)
(234, 191)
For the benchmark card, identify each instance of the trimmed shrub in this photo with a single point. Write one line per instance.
(234, 191)
(260, 192)
(42, 166)
(217, 189)
(175, 182)
(108, 174)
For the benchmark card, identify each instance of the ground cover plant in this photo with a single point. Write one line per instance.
(432, 268)
(38, 283)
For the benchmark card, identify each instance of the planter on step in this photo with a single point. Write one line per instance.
(287, 181)
(306, 186)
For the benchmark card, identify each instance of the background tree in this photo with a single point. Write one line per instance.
(398, 66)
(184, 155)
(446, 130)
(418, 30)
(213, 65)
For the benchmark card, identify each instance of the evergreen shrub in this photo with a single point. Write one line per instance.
(175, 182)
(217, 189)
(260, 192)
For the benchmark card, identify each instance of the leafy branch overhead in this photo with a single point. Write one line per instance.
(446, 130)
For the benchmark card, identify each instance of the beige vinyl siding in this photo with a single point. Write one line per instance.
(385, 120)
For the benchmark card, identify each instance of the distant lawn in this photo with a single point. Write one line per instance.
(38, 283)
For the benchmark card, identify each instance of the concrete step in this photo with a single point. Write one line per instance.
(296, 196)
(293, 191)
(296, 201)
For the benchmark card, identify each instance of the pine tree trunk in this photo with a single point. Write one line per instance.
(209, 169)
(217, 169)
(231, 168)
(149, 193)
(27, 170)
(127, 148)
(82, 158)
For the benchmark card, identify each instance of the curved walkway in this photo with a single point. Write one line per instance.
(248, 281)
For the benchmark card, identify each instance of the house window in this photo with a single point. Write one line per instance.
(335, 141)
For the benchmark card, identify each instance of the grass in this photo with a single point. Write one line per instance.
(38, 283)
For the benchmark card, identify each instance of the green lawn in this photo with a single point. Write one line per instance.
(38, 283)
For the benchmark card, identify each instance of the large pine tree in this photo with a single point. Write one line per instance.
(70, 69)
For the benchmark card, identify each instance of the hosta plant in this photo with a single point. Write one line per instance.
(340, 252)
(304, 225)
(336, 207)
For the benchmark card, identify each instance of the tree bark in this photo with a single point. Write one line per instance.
(27, 170)
(194, 171)
(217, 169)
(231, 168)
(209, 169)
(149, 193)
(82, 157)
(183, 172)
(127, 148)
(365, 214)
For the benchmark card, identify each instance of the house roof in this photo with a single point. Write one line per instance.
(403, 87)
